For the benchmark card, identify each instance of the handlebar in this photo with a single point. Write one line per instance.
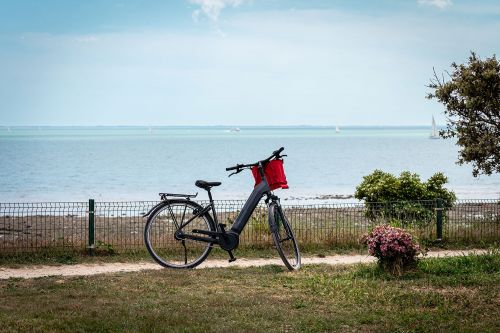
(238, 167)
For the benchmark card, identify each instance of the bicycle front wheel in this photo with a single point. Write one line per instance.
(172, 217)
(283, 237)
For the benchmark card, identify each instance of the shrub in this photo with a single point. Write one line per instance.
(405, 198)
(394, 248)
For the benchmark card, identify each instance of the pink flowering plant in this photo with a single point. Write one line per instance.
(395, 248)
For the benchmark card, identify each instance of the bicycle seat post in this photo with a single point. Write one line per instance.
(210, 196)
(214, 213)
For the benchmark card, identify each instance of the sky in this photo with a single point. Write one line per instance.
(233, 62)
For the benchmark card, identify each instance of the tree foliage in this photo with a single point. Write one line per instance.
(405, 197)
(472, 101)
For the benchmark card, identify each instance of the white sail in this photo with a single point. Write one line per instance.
(337, 129)
(434, 132)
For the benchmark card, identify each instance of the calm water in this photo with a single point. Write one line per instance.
(117, 163)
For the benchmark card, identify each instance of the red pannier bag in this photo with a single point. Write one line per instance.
(275, 175)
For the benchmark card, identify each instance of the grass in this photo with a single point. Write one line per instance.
(459, 294)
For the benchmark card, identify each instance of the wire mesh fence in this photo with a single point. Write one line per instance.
(119, 226)
(473, 221)
(31, 226)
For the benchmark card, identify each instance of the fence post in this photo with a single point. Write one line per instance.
(439, 219)
(91, 227)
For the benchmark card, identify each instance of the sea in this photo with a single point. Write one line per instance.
(39, 164)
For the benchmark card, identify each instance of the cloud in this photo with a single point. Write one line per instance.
(212, 8)
(437, 3)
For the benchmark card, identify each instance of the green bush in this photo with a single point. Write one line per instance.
(403, 198)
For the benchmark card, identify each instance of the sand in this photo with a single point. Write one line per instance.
(30, 272)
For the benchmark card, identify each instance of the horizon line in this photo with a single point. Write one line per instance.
(218, 125)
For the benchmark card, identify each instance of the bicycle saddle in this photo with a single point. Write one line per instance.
(206, 185)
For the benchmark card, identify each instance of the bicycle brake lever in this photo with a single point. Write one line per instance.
(237, 171)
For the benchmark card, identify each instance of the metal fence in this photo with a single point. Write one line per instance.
(119, 226)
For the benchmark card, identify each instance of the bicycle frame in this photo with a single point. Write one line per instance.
(253, 200)
(241, 220)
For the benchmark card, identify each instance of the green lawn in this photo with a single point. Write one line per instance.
(458, 294)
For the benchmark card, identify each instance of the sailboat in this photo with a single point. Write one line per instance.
(337, 129)
(434, 132)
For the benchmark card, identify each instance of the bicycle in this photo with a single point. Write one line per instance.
(180, 233)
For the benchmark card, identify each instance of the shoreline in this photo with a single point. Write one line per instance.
(286, 199)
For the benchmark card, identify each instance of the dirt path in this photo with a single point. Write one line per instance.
(92, 269)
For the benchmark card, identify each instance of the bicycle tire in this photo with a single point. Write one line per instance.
(283, 237)
(159, 234)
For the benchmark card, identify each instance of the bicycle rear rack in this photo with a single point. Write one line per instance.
(164, 196)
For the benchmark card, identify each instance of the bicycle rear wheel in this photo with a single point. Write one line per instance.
(283, 237)
(161, 226)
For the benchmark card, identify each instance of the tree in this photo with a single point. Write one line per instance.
(472, 101)
(404, 198)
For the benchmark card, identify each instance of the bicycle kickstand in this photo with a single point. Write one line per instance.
(231, 257)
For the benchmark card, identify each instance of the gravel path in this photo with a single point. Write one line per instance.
(92, 269)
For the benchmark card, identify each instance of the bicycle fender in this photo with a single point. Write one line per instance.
(153, 208)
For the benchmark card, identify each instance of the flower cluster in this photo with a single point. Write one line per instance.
(390, 244)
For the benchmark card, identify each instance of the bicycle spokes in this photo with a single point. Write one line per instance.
(165, 230)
